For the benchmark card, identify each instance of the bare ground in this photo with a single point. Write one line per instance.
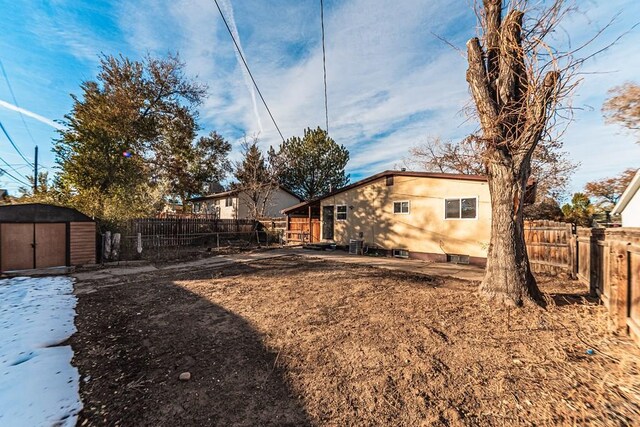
(293, 341)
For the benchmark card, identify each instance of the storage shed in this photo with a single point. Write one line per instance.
(37, 235)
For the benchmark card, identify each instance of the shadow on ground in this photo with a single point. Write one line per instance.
(134, 341)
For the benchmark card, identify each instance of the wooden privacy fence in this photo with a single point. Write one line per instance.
(303, 230)
(550, 246)
(608, 260)
(605, 259)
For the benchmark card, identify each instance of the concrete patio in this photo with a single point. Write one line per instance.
(458, 271)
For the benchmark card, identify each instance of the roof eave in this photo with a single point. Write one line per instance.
(628, 194)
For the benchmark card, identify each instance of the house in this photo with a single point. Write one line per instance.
(628, 205)
(234, 204)
(431, 216)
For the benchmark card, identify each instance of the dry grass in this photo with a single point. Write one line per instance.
(358, 345)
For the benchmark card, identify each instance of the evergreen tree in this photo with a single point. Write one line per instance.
(580, 211)
(311, 166)
(256, 179)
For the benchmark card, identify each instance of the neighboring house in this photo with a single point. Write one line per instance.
(431, 216)
(233, 204)
(629, 204)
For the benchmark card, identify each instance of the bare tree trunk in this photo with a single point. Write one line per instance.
(508, 278)
(514, 97)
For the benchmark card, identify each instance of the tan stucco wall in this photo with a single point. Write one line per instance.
(425, 228)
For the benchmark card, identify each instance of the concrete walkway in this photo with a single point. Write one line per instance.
(203, 263)
(458, 271)
(464, 272)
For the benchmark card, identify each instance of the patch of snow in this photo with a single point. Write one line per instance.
(38, 385)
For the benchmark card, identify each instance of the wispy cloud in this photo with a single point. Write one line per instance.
(31, 114)
(391, 82)
(227, 10)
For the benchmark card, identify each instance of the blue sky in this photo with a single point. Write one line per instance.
(391, 82)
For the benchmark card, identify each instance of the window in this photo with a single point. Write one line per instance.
(461, 208)
(401, 207)
(341, 212)
(228, 202)
(389, 181)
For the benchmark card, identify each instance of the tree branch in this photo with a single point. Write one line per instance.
(537, 115)
(493, 12)
(512, 80)
(480, 89)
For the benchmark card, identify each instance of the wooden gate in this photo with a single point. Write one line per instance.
(550, 246)
(303, 230)
(26, 246)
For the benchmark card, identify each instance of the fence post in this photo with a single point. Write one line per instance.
(618, 270)
(115, 250)
(597, 234)
(572, 242)
(107, 245)
(139, 246)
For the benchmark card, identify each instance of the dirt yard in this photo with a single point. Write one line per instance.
(294, 341)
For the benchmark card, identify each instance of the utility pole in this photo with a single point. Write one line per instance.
(35, 173)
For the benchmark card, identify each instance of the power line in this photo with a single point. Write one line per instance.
(4, 172)
(13, 169)
(248, 70)
(15, 101)
(14, 145)
(324, 67)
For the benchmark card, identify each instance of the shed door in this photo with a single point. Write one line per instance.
(16, 246)
(327, 222)
(51, 245)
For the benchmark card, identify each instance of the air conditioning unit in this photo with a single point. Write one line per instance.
(458, 259)
(356, 246)
(401, 253)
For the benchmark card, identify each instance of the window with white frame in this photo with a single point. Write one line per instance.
(228, 202)
(401, 207)
(462, 208)
(341, 212)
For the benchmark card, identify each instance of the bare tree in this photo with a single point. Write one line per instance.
(256, 179)
(551, 166)
(607, 191)
(518, 83)
(623, 106)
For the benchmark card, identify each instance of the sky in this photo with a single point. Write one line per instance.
(391, 80)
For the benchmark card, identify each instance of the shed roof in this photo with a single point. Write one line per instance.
(40, 212)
